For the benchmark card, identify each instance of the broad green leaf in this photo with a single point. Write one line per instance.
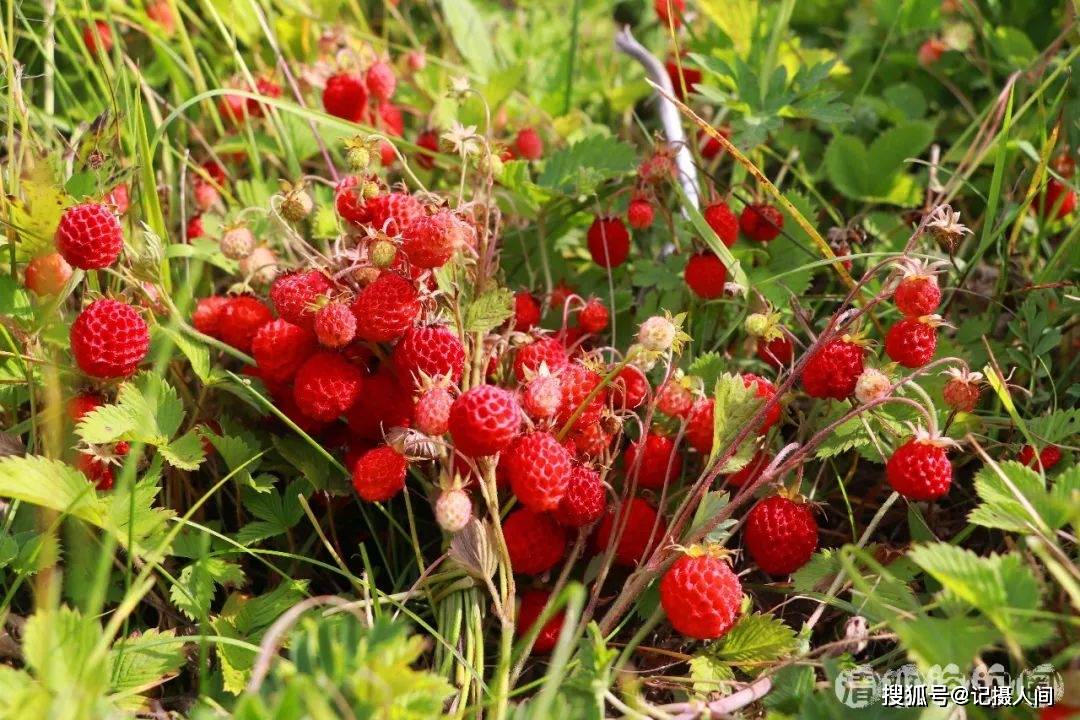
(708, 366)
(488, 311)
(604, 156)
(185, 452)
(709, 675)
(734, 404)
(194, 588)
(57, 647)
(51, 484)
(471, 35)
(755, 638)
(847, 166)
(889, 150)
(141, 662)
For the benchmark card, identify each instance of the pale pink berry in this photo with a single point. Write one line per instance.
(657, 334)
(453, 510)
(542, 397)
(260, 266)
(237, 243)
(872, 385)
(206, 195)
(431, 415)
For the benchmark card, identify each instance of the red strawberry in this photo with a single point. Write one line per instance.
(296, 295)
(335, 325)
(654, 461)
(526, 312)
(386, 308)
(591, 440)
(390, 119)
(432, 350)
(780, 535)
(670, 12)
(559, 295)
(532, 606)
(100, 470)
(381, 82)
(710, 146)
(629, 388)
(429, 241)
(539, 470)
(80, 405)
(484, 420)
(542, 396)
(699, 425)
(98, 38)
(431, 415)
(593, 318)
(428, 142)
(280, 348)
(326, 385)
(685, 81)
(528, 144)
(674, 399)
(608, 241)
(761, 222)
(47, 274)
(833, 370)
(931, 51)
(234, 109)
(766, 391)
(722, 221)
(379, 474)
(639, 213)
(639, 529)
(266, 87)
(207, 314)
(239, 319)
(917, 295)
(393, 212)
(912, 341)
(194, 228)
(752, 470)
(962, 390)
(349, 202)
(118, 199)
(345, 96)
(776, 352)
(701, 596)
(383, 404)
(89, 236)
(1058, 195)
(542, 351)
(920, 469)
(534, 541)
(705, 275)
(584, 500)
(1049, 456)
(109, 339)
(578, 382)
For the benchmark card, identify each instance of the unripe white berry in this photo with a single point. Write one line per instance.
(872, 385)
(453, 510)
(657, 334)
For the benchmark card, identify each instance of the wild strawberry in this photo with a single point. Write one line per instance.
(335, 325)
(639, 528)
(931, 51)
(532, 605)
(542, 396)
(160, 11)
(431, 415)
(701, 595)
(428, 142)
(1058, 201)
(559, 295)
(912, 341)
(776, 352)
(234, 110)
(629, 388)
(834, 369)
(431, 350)
(97, 36)
(591, 439)
(920, 469)
(345, 96)
(670, 12)
(81, 405)
(194, 228)
(658, 167)
(266, 87)
(393, 212)
(541, 351)
(453, 510)
(593, 318)
(766, 391)
(89, 236)
(239, 319)
(722, 221)
(99, 466)
(751, 471)
(780, 535)
(578, 382)
(1049, 456)
(326, 385)
(429, 241)
(534, 541)
(675, 398)
(260, 267)
(207, 314)
(653, 461)
(213, 171)
(872, 385)
(205, 194)
(710, 146)
(237, 243)
(699, 426)
(280, 348)
(386, 308)
(47, 274)
(761, 222)
(296, 203)
(539, 470)
(350, 200)
(295, 296)
(384, 404)
(483, 420)
(379, 474)
(526, 312)
(381, 81)
(962, 390)
(109, 339)
(584, 500)
(390, 119)
(608, 241)
(917, 293)
(118, 199)
(705, 275)
(684, 79)
(387, 154)
(639, 214)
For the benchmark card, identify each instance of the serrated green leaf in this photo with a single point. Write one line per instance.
(1023, 508)
(1058, 426)
(816, 574)
(708, 366)
(277, 512)
(605, 156)
(186, 452)
(489, 310)
(194, 588)
(106, 424)
(51, 484)
(734, 404)
(197, 353)
(142, 662)
(708, 675)
(755, 638)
